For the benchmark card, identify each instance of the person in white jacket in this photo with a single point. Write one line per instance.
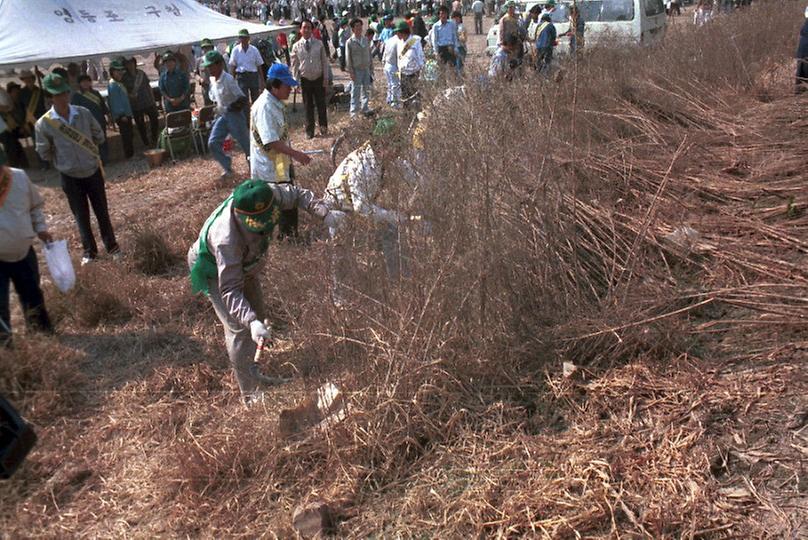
(354, 188)
(21, 222)
(390, 58)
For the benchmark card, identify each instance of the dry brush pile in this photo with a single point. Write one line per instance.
(642, 217)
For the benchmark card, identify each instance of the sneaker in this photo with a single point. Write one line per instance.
(117, 256)
(324, 131)
(87, 260)
(309, 136)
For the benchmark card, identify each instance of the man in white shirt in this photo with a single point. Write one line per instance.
(478, 7)
(231, 104)
(246, 64)
(270, 152)
(410, 60)
(390, 59)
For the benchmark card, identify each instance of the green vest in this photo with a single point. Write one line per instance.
(205, 268)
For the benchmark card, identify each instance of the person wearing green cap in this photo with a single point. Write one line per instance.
(231, 104)
(120, 110)
(174, 85)
(226, 261)
(68, 136)
(202, 73)
(245, 64)
(410, 61)
(354, 188)
(21, 222)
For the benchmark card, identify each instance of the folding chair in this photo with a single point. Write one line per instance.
(204, 125)
(178, 132)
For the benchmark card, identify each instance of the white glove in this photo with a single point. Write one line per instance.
(259, 331)
(332, 221)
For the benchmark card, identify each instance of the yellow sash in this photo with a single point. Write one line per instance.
(31, 109)
(92, 97)
(76, 137)
(5, 184)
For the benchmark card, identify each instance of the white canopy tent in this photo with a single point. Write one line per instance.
(45, 32)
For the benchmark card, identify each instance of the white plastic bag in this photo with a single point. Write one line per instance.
(59, 265)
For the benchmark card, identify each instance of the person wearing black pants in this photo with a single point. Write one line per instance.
(81, 193)
(22, 221)
(24, 275)
(68, 136)
(310, 66)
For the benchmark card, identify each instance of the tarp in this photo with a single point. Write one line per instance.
(45, 32)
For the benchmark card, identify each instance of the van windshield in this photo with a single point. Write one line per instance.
(607, 10)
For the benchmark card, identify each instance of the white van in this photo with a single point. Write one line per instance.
(607, 21)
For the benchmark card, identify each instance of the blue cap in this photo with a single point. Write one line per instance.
(281, 72)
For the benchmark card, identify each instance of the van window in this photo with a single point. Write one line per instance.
(608, 10)
(654, 7)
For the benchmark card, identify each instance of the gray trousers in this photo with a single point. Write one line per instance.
(237, 338)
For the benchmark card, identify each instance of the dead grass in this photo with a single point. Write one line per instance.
(555, 210)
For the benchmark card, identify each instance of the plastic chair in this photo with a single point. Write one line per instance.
(178, 130)
(204, 125)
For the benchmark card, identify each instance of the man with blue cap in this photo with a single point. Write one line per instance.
(271, 154)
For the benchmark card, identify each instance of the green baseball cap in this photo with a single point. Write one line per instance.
(168, 55)
(384, 127)
(343, 21)
(212, 57)
(243, 33)
(254, 205)
(118, 63)
(550, 3)
(55, 84)
(3, 158)
(402, 26)
(206, 43)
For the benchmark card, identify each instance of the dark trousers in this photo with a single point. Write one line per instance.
(478, 23)
(81, 193)
(24, 275)
(409, 86)
(446, 55)
(287, 221)
(14, 150)
(154, 125)
(314, 95)
(248, 82)
(802, 76)
(125, 129)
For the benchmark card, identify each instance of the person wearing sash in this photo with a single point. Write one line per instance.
(21, 222)
(227, 259)
(410, 61)
(270, 152)
(32, 102)
(68, 136)
(93, 101)
(201, 71)
(141, 97)
(120, 110)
